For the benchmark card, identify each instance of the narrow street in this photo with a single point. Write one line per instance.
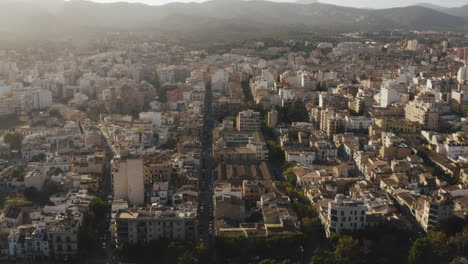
(105, 193)
(205, 205)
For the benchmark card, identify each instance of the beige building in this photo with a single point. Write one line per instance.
(239, 147)
(398, 125)
(155, 223)
(128, 180)
(273, 118)
(425, 114)
(331, 122)
(157, 172)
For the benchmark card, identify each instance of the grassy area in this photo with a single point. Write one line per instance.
(14, 200)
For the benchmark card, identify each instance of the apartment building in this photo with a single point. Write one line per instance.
(29, 241)
(141, 226)
(431, 211)
(248, 121)
(234, 147)
(454, 146)
(344, 213)
(128, 180)
(425, 114)
(63, 237)
(7, 106)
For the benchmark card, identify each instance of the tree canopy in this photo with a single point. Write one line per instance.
(14, 140)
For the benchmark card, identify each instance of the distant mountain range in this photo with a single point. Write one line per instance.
(454, 11)
(306, 2)
(216, 19)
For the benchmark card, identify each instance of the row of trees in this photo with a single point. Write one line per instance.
(14, 140)
(94, 226)
(297, 112)
(164, 252)
(276, 153)
(439, 248)
(238, 249)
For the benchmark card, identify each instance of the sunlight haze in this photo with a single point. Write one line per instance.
(352, 3)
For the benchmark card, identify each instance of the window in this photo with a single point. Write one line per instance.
(342, 213)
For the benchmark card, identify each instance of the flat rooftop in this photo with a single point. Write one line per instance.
(240, 172)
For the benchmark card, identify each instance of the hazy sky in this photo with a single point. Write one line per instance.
(353, 3)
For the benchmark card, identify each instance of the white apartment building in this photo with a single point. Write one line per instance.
(128, 180)
(41, 99)
(455, 146)
(431, 211)
(223, 189)
(358, 122)
(248, 121)
(462, 75)
(173, 74)
(33, 99)
(269, 77)
(167, 75)
(155, 117)
(344, 214)
(220, 81)
(7, 106)
(388, 96)
(259, 147)
(453, 150)
(286, 94)
(301, 157)
(7, 67)
(160, 193)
